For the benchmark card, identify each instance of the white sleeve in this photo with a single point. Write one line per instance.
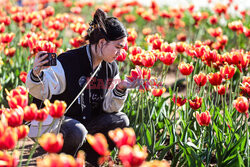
(114, 101)
(53, 82)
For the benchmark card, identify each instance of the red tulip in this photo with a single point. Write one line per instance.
(148, 59)
(46, 46)
(99, 143)
(215, 78)
(157, 44)
(42, 114)
(136, 59)
(7, 38)
(181, 37)
(181, 47)
(18, 17)
(78, 27)
(179, 101)
(215, 32)
(134, 50)
(165, 47)
(6, 20)
(51, 143)
(56, 110)
(130, 18)
(122, 137)
(220, 8)
(156, 163)
(23, 76)
(18, 97)
(132, 157)
(227, 72)
(76, 42)
(204, 118)
(14, 116)
(222, 39)
(22, 131)
(3, 124)
(59, 160)
(167, 58)
(9, 139)
(200, 79)
(2, 27)
(132, 35)
(10, 52)
(157, 92)
(185, 68)
(236, 26)
(9, 160)
(151, 38)
(241, 104)
(122, 56)
(195, 103)
(30, 112)
(213, 19)
(221, 89)
(49, 11)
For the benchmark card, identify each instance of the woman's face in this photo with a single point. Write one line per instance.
(111, 50)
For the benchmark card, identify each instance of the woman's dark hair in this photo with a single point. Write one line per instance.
(102, 26)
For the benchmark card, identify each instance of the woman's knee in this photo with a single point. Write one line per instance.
(123, 119)
(74, 134)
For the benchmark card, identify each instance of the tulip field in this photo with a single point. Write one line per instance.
(201, 119)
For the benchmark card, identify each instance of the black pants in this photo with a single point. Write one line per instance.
(74, 133)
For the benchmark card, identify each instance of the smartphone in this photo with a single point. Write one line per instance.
(52, 59)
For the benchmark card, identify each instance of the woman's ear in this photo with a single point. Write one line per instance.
(102, 42)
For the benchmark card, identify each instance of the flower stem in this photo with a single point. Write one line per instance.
(21, 156)
(35, 145)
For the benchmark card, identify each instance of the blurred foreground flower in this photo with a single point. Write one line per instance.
(122, 137)
(9, 139)
(51, 143)
(62, 160)
(132, 156)
(156, 163)
(99, 143)
(56, 110)
(9, 160)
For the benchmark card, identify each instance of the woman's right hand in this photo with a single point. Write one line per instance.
(39, 62)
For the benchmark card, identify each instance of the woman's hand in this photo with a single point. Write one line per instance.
(39, 62)
(127, 83)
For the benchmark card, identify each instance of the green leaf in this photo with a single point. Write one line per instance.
(235, 146)
(165, 150)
